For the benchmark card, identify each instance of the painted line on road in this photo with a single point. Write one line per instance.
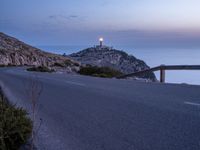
(191, 103)
(75, 83)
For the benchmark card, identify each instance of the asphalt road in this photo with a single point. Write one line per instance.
(86, 113)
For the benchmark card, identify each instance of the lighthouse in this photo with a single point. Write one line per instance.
(101, 41)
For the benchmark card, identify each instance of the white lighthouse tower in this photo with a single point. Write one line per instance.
(101, 41)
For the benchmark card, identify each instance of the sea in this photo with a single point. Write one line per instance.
(153, 57)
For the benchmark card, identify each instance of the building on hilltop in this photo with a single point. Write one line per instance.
(101, 46)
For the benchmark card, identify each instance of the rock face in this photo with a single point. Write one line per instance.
(15, 52)
(109, 57)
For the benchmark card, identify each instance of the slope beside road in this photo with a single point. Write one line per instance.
(85, 113)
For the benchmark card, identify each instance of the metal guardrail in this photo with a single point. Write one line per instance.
(162, 69)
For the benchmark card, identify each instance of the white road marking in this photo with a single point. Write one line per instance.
(191, 103)
(75, 83)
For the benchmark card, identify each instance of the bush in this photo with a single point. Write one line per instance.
(76, 64)
(104, 72)
(68, 62)
(58, 65)
(9, 65)
(15, 127)
(2, 65)
(40, 69)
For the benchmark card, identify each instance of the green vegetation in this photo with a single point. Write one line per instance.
(104, 72)
(40, 69)
(58, 65)
(76, 64)
(65, 64)
(68, 62)
(15, 127)
(2, 65)
(9, 65)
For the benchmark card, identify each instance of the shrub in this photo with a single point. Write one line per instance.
(58, 64)
(104, 72)
(2, 65)
(40, 69)
(9, 65)
(68, 62)
(76, 64)
(15, 127)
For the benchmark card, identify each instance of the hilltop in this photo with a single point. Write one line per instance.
(108, 57)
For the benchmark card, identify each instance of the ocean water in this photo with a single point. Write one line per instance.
(153, 57)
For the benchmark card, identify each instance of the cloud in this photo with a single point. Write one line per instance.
(63, 17)
(73, 16)
(52, 17)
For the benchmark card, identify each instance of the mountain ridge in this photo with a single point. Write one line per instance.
(17, 53)
(14, 52)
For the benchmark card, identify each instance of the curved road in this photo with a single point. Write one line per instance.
(86, 113)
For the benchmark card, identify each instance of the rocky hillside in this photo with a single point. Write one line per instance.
(15, 52)
(109, 57)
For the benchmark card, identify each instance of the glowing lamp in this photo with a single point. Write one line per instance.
(101, 41)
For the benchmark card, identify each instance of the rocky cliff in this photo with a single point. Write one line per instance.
(116, 59)
(15, 52)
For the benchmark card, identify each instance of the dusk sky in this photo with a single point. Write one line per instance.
(142, 23)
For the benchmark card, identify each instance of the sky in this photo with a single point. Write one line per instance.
(141, 23)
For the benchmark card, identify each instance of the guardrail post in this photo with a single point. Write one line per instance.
(162, 75)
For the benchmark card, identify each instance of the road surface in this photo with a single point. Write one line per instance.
(87, 113)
